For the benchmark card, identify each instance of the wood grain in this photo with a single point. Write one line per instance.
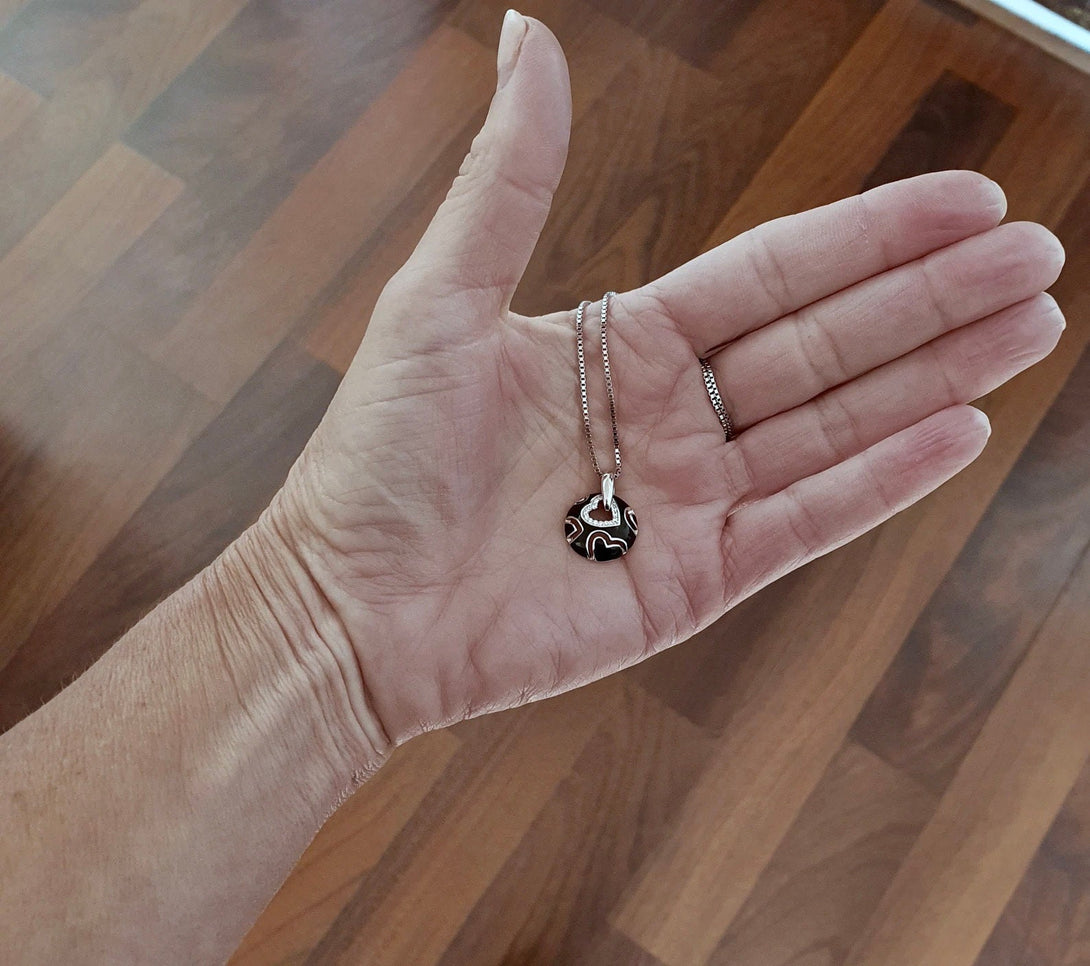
(96, 100)
(950, 890)
(1048, 918)
(349, 845)
(58, 262)
(815, 896)
(926, 713)
(956, 125)
(882, 758)
(215, 490)
(17, 103)
(315, 230)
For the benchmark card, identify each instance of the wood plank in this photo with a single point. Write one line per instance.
(933, 700)
(1047, 921)
(336, 323)
(549, 900)
(818, 891)
(693, 31)
(243, 129)
(1075, 55)
(455, 857)
(47, 37)
(278, 85)
(951, 890)
(218, 487)
(17, 103)
(251, 305)
(346, 848)
(58, 262)
(96, 100)
(955, 125)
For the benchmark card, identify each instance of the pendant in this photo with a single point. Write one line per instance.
(601, 539)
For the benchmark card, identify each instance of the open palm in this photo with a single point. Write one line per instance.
(846, 340)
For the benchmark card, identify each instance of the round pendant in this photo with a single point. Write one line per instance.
(600, 539)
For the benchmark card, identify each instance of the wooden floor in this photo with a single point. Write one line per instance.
(880, 760)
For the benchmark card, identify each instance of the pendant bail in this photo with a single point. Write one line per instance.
(607, 489)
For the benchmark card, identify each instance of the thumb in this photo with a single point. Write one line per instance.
(483, 234)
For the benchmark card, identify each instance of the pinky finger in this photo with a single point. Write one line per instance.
(817, 514)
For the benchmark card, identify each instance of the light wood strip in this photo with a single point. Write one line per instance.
(462, 853)
(97, 100)
(1047, 920)
(349, 844)
(67, 252)
(17, 103)
(251, 305)
(952, 888)
(814, 897)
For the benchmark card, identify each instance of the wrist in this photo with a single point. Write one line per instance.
(269, 611)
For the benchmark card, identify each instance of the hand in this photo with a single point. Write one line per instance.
(428, 508)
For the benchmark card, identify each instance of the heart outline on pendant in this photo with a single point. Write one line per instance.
(594, 504)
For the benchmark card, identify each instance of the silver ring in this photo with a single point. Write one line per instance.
(717, 400)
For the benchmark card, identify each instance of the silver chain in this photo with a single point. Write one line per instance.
(609, 387)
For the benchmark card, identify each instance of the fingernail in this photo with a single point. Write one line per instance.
(997, 203)
(511, 35)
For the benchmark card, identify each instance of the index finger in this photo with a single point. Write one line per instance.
(782, 265)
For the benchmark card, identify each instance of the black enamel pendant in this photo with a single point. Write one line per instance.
(600, 539)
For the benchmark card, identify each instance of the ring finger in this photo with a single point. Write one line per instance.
(958, 367)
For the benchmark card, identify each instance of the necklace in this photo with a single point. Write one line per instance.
(587, 535)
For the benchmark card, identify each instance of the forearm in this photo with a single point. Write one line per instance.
(153, 808)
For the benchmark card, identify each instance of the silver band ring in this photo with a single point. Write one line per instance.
(717, 400)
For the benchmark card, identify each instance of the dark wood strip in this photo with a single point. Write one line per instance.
(955, 11)
(931, 704)
(817, 893)
(217, 488)
(956, 125)
(550, 900)
(48, 37)
(1047, 921)
(658, 163)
